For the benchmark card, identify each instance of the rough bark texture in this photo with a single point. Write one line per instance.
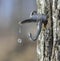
(40, 43)
(48, 44)
(56, 31)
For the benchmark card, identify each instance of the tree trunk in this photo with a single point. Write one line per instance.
(48, 45)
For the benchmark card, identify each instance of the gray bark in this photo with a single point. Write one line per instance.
(56, 29)
(48, 44)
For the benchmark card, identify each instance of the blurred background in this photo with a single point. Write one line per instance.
(11, 12)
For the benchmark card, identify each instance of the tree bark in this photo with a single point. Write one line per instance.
(56, 31)
(48, 44)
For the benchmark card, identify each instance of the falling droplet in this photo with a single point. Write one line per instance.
(19, 41)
